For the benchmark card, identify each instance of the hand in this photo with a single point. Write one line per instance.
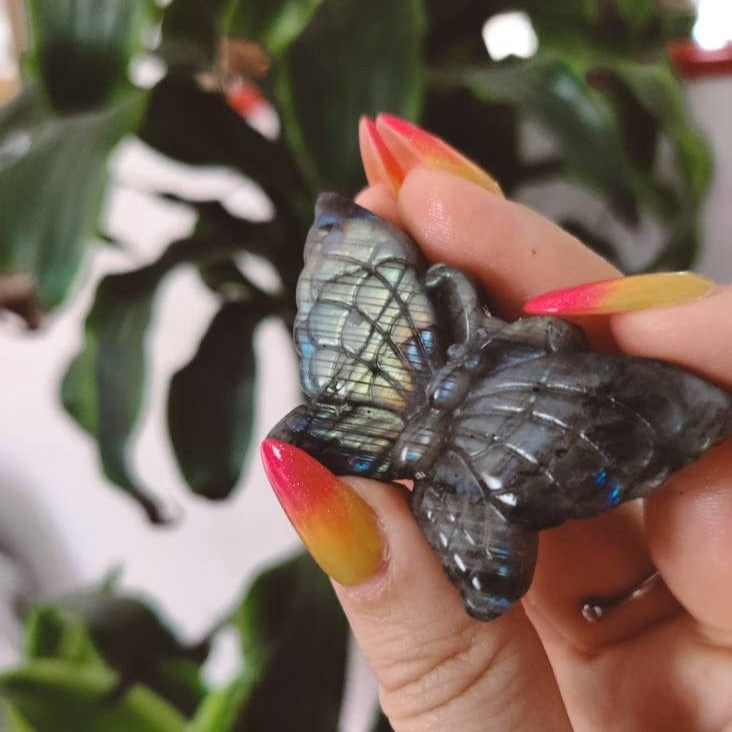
(660, 662)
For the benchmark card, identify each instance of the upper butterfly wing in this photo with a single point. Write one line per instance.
(367, 337)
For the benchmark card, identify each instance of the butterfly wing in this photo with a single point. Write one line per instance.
(573, 434)
(551, 435)
(367, 338)
(490, 560)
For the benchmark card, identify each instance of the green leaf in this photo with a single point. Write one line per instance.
(55, 695)
(52, 633)
(649, 100)
(198, 127)
(52, 178)
(124, 633)
(22, 113)
(637, 14)
(219, 710)
(274, 24)
(353, 58)
(657, 90)
(579, 120)
(104, 384)
(211, 402)
(11, 719)
(294, 636)
(190, 32)
(82, 48)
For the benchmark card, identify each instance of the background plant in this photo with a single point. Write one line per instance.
(599, 87)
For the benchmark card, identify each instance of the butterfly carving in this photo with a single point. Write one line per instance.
(504, 428)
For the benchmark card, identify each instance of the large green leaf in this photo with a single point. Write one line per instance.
(52, 178)
(54, 695)
(274, 24)
(579, 119)
(211, 402)
(82, 48)
(104, 384)
(294, 638)
(655, 96)
(198, 127)
(353, 58)
(655, 88)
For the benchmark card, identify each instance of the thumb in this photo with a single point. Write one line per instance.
(437, 668)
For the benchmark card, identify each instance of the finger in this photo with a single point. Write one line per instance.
(437, 668)
(697, 335)
(688, 525)
(513, 251)
(688, 521)
(516, 253)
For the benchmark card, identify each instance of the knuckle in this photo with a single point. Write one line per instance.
(424, 686)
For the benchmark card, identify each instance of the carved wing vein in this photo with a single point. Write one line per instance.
(404, 309)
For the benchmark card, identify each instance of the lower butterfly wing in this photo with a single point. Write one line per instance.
(489, 560)
(571, 435)
(367, 337)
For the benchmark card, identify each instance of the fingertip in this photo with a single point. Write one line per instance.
(687, 524)
(380, 200)
(695, 335)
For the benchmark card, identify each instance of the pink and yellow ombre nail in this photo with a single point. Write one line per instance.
(410, 146)
(623, 294)
(378, 163)
(338, 527)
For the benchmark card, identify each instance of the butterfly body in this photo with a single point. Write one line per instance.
(504, 428)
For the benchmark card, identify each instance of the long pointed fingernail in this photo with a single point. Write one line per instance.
(411, 146)
(625, 293)
(338, 527)
(378, 163)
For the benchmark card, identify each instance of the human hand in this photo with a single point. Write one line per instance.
(661, 661)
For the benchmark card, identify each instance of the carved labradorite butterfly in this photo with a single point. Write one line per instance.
(505, 428)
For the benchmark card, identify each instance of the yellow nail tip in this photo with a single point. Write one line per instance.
(624, 294)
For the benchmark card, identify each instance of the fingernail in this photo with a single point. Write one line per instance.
(336, 525)
(410, 146)
(625, 293)
(378, 163)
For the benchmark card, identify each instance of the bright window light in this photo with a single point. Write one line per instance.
(509, 34)
(713, 27)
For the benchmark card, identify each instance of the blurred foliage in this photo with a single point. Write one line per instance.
(600, 88)
(103, 661)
